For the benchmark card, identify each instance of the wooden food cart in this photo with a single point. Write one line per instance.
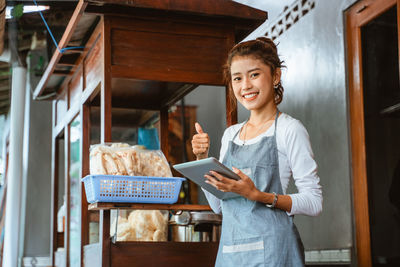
(137, 57)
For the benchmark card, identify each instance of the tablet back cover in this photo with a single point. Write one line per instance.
(195, 171)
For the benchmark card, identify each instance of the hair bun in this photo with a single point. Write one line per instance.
(267, 41)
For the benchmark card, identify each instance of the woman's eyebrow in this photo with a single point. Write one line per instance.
(253, 70)
(237, 73)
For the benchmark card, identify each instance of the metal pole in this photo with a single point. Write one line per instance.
(14, 179)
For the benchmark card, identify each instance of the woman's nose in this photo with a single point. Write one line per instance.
(246, 84)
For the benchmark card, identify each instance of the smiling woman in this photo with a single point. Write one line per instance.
(265, 151)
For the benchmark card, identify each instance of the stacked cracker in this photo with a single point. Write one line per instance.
(142, 225)
(122, 159)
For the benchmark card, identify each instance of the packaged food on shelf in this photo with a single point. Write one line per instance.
(123, 159)
(141, 225)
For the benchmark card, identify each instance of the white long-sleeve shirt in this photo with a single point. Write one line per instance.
(296, 160)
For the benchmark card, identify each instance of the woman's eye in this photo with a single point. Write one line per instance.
(253, 75)
(236, 79)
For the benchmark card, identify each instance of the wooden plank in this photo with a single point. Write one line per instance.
(177, 254)
(67, 188)
(62, 72)
(74, 51)
(169, 25)
(243, 27)
(104, 238)
(106, 92)
(90, 92)
(68, 59)
(139, 206)
(105, 132)
(75, 86)
(185, 76)
(85, 146)
(54, 240)
(368, 10)
(63, 43)
(360, 188)
(81, 59)
(60, 239)
(94, 60)
(57, 130)
(69, 116)
(164, 131)
(137, 52)
(61, 108)
(203, 7)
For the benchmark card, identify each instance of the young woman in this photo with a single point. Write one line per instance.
(265, 151)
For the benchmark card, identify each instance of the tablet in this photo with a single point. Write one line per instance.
(195, 171)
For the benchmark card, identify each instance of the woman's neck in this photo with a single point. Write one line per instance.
(258, 117)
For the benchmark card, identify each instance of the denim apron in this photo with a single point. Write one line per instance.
(253, 234)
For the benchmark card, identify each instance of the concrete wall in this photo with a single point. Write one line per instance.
(316, 94)
(38, 177)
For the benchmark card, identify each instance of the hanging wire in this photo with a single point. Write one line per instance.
(61, 50)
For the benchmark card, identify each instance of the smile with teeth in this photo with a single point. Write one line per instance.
(250, 96)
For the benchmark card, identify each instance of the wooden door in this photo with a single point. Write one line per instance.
(357, 17)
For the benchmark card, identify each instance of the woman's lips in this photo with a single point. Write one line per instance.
(250, 96)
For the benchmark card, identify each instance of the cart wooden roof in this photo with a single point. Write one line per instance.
(87, 12)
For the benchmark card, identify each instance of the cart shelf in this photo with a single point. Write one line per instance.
(138, 206)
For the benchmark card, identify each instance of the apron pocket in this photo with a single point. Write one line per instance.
(247, 252)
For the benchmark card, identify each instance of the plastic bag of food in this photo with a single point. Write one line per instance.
(153, 163)
(123, 159)
(141, 225)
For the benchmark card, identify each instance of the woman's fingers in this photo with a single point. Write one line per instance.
(215, 182)
(200, 142)
(218, 176)
(240, 173)
(199, 129)
(199, 138)
(219, 181)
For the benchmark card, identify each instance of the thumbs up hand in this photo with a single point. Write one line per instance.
(200, 143)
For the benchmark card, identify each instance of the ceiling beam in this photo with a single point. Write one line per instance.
(62, 72)
(43, 2)
(76, 16)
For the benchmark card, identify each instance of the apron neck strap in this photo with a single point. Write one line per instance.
(276, 120)
(236, 134)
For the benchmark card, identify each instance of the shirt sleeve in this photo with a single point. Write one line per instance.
(308, 200)
(213, 201)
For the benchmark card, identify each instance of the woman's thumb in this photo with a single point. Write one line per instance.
(198, 128)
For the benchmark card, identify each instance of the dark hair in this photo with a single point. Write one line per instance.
(261, 48)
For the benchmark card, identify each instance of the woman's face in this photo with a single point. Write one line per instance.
(252, 82)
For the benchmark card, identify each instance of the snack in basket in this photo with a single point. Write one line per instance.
(141, 225)
(124, 231)
(122, 159)
(153, 163)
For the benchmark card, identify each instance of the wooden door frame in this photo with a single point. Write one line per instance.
(357, 16)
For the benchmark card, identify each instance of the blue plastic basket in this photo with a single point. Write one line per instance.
(132, 189)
